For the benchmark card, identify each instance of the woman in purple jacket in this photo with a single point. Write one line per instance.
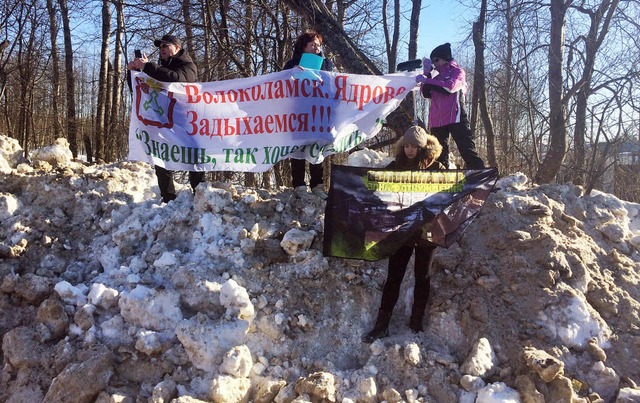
(445, 83)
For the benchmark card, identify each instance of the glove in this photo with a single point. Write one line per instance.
(421, 78)
(427, 66)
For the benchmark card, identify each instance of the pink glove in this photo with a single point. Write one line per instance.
(421, 78)
(427, 66)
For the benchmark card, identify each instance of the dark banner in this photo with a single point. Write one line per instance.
(372, 212)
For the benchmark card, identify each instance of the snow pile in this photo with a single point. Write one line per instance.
(369, 158)
(10, 154)
(225, 296)
(57, 154)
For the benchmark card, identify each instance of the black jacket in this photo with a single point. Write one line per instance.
(179, 68)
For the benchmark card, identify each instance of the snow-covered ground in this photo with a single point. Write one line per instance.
(108, 296)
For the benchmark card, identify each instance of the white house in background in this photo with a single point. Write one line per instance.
(629, 154)
(626, 173)
(619, 162)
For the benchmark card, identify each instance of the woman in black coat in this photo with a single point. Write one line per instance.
(309, 42)
(416, 151)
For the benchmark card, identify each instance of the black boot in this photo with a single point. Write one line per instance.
(167, 197)
(195, 178)
(415, 323)
(417, 313)
(422, 289)
(381, 328)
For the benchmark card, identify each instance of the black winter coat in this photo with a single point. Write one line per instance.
(179, 68)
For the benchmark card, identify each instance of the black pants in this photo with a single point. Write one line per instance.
(463, 137)
(168, 188)
(297, 173)
(398, 266)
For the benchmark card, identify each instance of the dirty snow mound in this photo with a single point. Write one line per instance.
(225, 296)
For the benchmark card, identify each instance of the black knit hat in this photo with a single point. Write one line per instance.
(442, 52)
(167, 39)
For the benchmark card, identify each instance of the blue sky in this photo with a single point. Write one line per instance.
(442, 21)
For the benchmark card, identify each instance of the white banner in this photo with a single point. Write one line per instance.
(250, 124)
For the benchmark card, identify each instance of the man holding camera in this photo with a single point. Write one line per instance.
(175, 65)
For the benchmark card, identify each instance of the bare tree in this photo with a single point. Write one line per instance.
(188, 24)
(391, 39)
(115, 136)
(250, 179)
(55, 67)
(557, 103)
(70, 80)
(507, 122)
(103, 83)
(26, 76)
(204, 69)
(223, 37)
(517, 87)
(3, 75)
(479, 88)
(25, 96)
(599, 20)
(414, 25)
(16, 21)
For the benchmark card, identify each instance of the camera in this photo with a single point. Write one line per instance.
(137, 53)
(410, 65)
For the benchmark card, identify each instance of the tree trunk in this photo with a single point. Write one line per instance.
(26, 88)
(70, 80)
(55, 67)
(579, 163)
(103, 83)
(115, 149)
(557, 148)
(414, 25)
(385, 30)
(391, 40)
(479, 84)
(207, 73)
(188, 29)
(593, 40)
(250, 178)
(25, 62)
(506, 123)
(225, 41)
